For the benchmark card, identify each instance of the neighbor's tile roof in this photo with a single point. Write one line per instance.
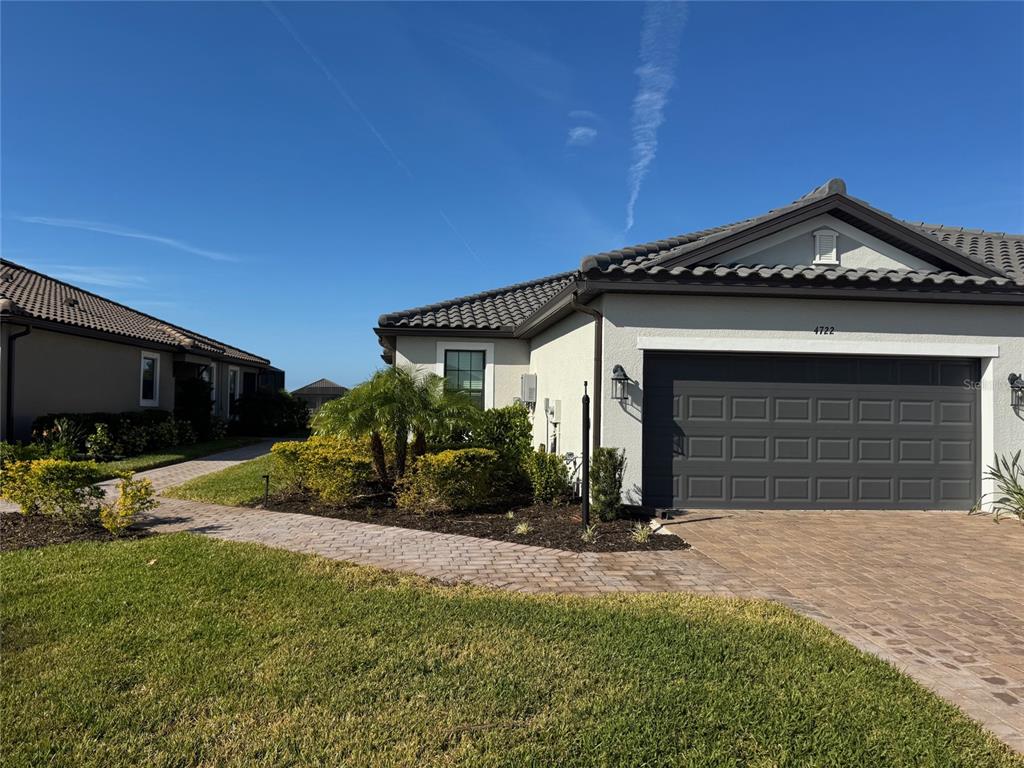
(321, 387)
(25, 292)
(502, 308)
(506, 307)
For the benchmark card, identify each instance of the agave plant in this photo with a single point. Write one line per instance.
(1008, 498)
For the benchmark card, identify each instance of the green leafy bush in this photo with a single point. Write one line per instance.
(100, 444)
(606, 470)
(450, 481)
(17, 452)
(134, 498)
(548, 475)
(508, 432)
(336, 470)
(63, 489)
(1008, 498)
(185, 433)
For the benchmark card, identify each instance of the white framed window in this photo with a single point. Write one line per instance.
(467, 374)
(826, 246)
(149, 379)
(234, 389)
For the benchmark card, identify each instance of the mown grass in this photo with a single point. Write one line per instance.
(239, 485)
(180, 650)
(173, 455)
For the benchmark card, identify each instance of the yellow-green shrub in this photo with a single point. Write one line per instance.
(135, 497)
(55, 487)
(334, 469)
(450, 481)
(549, 476)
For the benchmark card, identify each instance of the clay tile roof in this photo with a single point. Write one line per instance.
(504, 308)
(28, 293)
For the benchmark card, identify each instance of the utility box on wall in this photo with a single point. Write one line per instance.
(528, 388)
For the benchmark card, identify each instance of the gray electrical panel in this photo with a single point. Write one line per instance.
(528, 388)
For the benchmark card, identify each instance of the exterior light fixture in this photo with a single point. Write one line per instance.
(1016, 390)
(619, 382)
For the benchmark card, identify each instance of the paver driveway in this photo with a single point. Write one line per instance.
(940, 594)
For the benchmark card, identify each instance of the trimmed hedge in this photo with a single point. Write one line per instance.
(549, 476)
(451, 481)
(335, 470)
(606, 472)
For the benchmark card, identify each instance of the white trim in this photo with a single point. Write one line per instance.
(815, 346)
(987, 447)
(155, 357)
(488, 349)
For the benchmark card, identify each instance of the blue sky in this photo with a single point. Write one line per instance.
(278, 176)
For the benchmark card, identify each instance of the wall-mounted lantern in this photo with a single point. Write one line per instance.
(1016, 390)
(619, 382)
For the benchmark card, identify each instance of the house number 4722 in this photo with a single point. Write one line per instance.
(825, 330)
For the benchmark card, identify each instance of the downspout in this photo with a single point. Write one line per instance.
(9, 404)
(595, 436)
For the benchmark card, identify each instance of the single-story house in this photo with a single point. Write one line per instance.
(67, 350)
(318, 392)
(825, 354)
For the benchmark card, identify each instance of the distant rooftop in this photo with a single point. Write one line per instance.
(321, 387)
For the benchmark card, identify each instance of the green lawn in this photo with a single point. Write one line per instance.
(179, 650)
(174, 455)
(235, 486)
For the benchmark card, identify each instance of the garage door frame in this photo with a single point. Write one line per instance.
(983, 353)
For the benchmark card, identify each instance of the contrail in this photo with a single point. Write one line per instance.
(659, 50)
(347, 98)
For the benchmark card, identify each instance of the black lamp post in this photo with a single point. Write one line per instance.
(585, 483)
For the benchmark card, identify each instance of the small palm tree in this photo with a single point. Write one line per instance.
(391, 405)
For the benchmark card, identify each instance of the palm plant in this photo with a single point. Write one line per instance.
(1008, 499)
(391, 405)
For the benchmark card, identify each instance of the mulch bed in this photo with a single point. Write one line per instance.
(554, 526)
(23, 532)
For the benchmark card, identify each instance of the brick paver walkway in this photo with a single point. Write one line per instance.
(937, 594)
(174, 474)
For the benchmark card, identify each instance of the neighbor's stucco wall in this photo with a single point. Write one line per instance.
(794, 246)
(562, 356)
(507, 360)
(872, 324)
(59, 372)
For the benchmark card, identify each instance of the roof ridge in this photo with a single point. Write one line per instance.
(156, 320)
(473, 296)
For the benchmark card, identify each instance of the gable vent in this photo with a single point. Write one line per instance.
(826, 249)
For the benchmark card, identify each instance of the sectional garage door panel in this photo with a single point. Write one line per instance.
(794, 432)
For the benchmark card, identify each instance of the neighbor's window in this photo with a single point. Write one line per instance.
(149, 393)
(464, 372)
(232, 390)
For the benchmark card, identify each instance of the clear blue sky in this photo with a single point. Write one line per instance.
(282, 190)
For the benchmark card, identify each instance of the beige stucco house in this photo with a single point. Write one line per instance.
(67, 350)
(823, 355)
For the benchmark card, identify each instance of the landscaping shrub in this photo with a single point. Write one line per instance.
(131, 436)
(63, 489)
(1008, 498)
(508, 432)
(135, 497)
(17, 452)
(606, 469)
(270, 414)
(65, 435)
(337, 471)
(450, 481)
(548, 475)
(100, 446)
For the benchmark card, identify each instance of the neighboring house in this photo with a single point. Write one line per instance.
(822, 355)
(319, 392)
(63, 349)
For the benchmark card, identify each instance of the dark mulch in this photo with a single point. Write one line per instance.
(23, 532)
(555, 526)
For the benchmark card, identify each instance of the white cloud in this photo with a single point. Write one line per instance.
(106, 277)
(581, 136)
(113, 229)
(584, 115)
(659, 49)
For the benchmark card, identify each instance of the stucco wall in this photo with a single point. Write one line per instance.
(562, 356)
(57, 372)
(795, 246)
(868, 326)
(507, 360)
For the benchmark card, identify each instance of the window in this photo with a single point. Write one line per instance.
(209, 375)
(149, 387)
(464, 372)
(232, 390)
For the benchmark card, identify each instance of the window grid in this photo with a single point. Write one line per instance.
(464, 372)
